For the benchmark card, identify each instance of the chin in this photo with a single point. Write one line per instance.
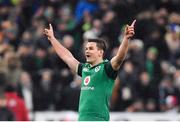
(88, 61)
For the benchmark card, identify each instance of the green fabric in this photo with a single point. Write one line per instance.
(150, 68)
(86, 26)
(70, 24)
(96, 90)
(39, 63)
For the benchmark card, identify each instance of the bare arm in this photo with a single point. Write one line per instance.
(117, 60)
(62, 52)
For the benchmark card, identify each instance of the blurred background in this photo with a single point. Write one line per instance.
(32, 75)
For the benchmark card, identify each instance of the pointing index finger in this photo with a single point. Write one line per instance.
(133, 23)
(50, 26)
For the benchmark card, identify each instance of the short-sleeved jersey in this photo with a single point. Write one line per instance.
(96, 90)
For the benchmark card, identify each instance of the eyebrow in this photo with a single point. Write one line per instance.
(90, 47)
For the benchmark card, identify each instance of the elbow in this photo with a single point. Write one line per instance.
(119, 62)
(121, 58)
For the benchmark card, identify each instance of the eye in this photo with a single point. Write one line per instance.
(91, 48)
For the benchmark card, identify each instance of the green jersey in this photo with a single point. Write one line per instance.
(96, 90)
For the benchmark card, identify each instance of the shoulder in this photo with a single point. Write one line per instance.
(80, 68)
(111, 73)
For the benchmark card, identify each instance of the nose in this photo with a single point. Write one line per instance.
(86, 53)
(86, 50)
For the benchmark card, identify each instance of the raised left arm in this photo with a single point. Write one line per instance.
(117, 60)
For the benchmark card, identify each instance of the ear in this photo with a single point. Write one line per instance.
(101, 53)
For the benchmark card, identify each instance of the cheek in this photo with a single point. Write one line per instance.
(99, 53)
(94, 55)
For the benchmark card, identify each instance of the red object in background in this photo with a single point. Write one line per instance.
(17, 106)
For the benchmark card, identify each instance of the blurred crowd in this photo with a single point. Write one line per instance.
(148, 80)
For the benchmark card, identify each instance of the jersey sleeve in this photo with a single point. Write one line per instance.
(79, 69)
(111, 73)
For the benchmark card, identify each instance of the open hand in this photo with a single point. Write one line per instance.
(49, 32)
(129, 30)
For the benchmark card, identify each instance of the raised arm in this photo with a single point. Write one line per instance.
(117, 60)
(62, 52)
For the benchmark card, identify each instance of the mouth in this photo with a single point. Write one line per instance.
(87, 55)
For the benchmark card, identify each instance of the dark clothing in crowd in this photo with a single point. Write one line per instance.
(17, 106)
(6, 114)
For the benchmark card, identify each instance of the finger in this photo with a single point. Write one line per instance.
(131, 32)
(50, 26)
(130, 35)
(133, 23)
(45, 31)
(126, 28)
(129, 29)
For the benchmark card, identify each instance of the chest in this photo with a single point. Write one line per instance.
(93, 76)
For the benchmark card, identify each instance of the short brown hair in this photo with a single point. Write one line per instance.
(100, 43)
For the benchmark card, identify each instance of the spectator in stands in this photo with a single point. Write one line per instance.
(83, 6)
(152, 66)
(25, 89)
(168, 95)
(25, 53)
(5, 113)
(16, 104)
(43, 97)
(127, 79)
(13, 67)
(143, 89)
(72, 93)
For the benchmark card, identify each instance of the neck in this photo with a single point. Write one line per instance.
(96, 62)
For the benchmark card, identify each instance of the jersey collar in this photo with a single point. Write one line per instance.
(90, 66)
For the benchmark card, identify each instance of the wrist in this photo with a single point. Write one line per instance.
(126, 37)
(52, 38)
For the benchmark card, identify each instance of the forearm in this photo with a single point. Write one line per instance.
(117, 60)
(123, 49)
(62, 52)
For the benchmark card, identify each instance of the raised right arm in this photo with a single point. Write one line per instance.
(62, 52)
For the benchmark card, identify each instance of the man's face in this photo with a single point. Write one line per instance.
(92, 52)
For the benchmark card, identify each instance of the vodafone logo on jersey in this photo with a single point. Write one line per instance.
(86, 80)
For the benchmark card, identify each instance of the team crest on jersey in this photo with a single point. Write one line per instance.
(87, 80)
(97, 68)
